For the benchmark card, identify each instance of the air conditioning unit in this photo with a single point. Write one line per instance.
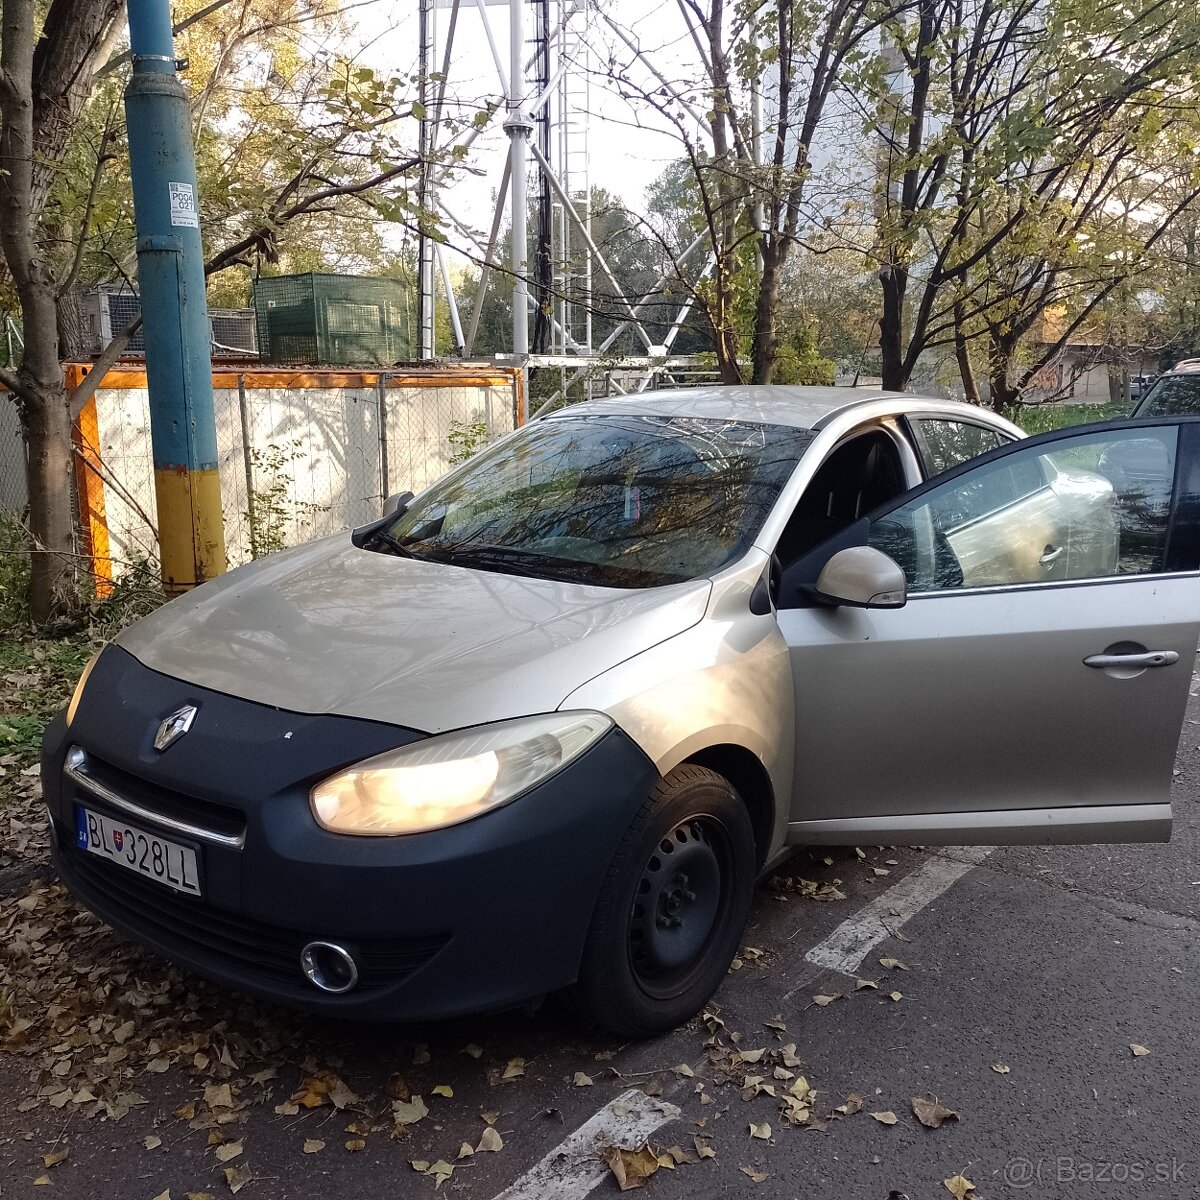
(108, 308)
(234, 331)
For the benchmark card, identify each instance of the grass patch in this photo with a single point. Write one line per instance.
(1042, 418)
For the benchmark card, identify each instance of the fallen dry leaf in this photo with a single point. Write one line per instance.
(220, 1096)
(229, 1151)
(514, 1069)
(958, 1186)
(236, 1178)
(930, 1113)
(1138, 1051)
(631, 1167)
(854, 1104)
(42, 1179)
(756, 1175)
(55, 1157)
(313, 1145)
(354, 1145)
(704, 1149)
(762, 1131)
(465, 1150)
(444, 1089)
(787, 1055)
(164, 1195)
(491, 1140)
(439, 1172)
(822, 1001)
(1001, 1068)
(151, 1142)
(859, 984)
(409, 1114)
(893, 964)
(885, 1118)
(473, 1050)
(420, 1054)
(895, 995)
(582, 1080)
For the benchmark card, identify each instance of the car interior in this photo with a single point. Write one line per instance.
(857, 477)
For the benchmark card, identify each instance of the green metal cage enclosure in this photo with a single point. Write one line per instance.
(333, 320)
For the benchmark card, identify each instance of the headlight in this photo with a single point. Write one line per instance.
(451, 778)
(77, 695)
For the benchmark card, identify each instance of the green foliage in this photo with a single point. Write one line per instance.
(14, 576)
(1042, 418)
(273, 514)
(799, 362)
(466, 439)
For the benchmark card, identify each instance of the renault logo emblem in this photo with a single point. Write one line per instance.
(175, 726)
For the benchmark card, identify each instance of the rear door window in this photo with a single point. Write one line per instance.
(944, 444)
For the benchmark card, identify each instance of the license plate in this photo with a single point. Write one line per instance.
(133, 848)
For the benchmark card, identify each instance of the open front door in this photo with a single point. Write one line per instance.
(1034, 685)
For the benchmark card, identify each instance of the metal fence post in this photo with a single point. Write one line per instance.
(248, 465)
(384, 472)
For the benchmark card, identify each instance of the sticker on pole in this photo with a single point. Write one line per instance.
(183, 205)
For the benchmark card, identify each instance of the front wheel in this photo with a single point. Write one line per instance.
(672, 909)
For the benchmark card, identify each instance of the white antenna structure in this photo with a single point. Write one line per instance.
(545, 91)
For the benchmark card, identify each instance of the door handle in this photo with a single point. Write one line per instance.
(1050, 557)
(1137, 662)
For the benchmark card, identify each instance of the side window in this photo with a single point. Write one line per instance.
(944, 444)
(1085, 507)
(857, 477)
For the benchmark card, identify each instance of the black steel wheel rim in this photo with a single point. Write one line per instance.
(678, 906)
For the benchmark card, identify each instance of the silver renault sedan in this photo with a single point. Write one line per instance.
(542, 726)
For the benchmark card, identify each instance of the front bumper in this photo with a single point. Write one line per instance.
(480, 916)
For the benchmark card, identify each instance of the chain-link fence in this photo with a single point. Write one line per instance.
(300, 455)
(12, 459)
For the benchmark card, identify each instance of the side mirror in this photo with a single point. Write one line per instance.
(396, 503)
(862, 577)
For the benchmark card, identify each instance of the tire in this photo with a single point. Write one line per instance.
(672, 909)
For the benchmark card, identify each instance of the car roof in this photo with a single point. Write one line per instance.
(763, 404)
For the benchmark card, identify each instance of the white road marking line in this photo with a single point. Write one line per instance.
(845, 948)
(574, 1167)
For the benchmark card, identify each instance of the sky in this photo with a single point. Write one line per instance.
(626, 149)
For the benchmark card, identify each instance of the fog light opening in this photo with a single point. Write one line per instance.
(328, 966)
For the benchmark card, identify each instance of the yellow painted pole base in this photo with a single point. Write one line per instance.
(191, 528)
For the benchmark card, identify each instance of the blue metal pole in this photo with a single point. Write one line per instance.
(174, 312)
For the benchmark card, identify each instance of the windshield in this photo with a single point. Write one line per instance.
(618, 500)
(1171, 396)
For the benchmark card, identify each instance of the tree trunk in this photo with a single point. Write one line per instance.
(72, 326)
(766, 309)
(37, 385)
(47, 431)
(962, 351)
(1000, 352)
(893, 279)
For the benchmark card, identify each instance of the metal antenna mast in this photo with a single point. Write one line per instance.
(543, 88)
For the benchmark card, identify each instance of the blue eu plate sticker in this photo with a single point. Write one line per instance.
(81, 829)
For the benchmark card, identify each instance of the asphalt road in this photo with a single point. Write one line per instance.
(1049, 963)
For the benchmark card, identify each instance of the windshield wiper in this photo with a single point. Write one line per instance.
(493, 558)
(393, 543)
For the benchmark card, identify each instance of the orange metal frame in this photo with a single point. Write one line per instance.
(89, 478)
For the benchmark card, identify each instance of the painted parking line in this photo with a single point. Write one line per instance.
(574, 1167)
(845, 948)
